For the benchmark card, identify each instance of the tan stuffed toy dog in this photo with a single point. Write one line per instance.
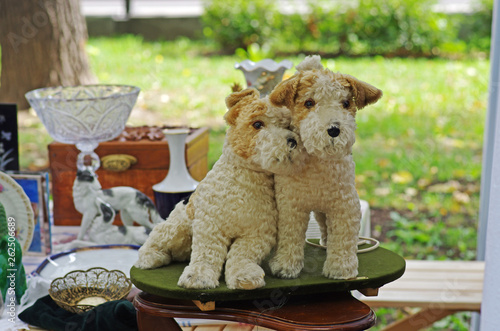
(324, 106)
(232, 217)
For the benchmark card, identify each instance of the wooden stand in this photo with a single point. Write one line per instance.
(309, 302)
(332, 311)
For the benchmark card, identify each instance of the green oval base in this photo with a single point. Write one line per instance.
(376, 268)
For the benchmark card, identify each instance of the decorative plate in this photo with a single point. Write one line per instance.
(368, 244)
(111, 257)
(17, 207)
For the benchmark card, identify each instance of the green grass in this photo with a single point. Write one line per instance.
(177, 84)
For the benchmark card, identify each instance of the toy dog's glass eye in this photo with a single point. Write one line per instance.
(258, 125)
(346, 104)
(309, 103)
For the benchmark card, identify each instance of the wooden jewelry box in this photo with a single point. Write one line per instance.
(149, 148)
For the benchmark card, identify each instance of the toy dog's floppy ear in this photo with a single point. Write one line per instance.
(363, 93)
(284, 93)
(235, 98)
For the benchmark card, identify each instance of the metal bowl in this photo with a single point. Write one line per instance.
(79, 291)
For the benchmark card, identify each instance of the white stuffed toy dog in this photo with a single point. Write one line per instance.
(231, 218)
(323, 106)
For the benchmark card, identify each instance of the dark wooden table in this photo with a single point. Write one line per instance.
(329, 311)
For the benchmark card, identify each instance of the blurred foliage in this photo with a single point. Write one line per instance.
(435, 238)
(255, 52)
(364, 27)
(238, 23)
(474, 30)
(456, 322)
(400, 27)
(389, 27)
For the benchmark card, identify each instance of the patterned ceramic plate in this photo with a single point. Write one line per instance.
(111, 257)
(17, 207)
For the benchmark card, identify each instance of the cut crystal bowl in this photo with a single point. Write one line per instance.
(84, 115)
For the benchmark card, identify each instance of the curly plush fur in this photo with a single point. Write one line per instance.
(232, 215)
(323, 106)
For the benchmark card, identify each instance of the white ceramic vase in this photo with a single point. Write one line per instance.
(178, 184)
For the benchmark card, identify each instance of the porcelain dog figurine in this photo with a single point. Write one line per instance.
(99, 207)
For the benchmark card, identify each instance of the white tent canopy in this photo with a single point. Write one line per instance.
(489, 218)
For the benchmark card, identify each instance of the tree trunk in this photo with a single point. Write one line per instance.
(43, 44)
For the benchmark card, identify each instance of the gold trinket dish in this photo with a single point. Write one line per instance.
(79, 291)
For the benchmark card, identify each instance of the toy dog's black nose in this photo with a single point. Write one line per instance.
(291, 142)
(333, 131)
